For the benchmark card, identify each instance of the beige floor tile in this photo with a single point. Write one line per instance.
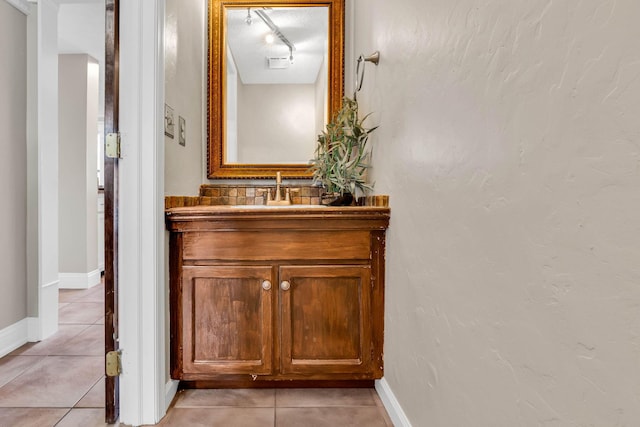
(355, 416)
(381, 408)
(250, 398)
(89, 342)
(69, 295)
(85, 417)
(57, 381)
(219, 417)
(94, 397)
(52, 344)
(319, 397)
(81, 312)
(12, 366)
(94, 297)
(30, 417)
(94, 294)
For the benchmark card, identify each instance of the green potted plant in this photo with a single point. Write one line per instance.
(341, 156)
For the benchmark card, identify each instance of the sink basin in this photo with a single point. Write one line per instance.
(276, 206)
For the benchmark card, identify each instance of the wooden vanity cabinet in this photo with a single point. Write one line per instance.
(324, 320)
(227, 320)
(276, 295)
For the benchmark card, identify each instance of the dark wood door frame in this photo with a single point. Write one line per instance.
(112, 397)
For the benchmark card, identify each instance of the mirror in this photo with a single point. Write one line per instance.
(275, 73)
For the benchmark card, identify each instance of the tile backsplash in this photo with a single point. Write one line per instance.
(230, 194)
(257, 194)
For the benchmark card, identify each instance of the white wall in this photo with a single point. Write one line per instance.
(13, 165)
(185, 83)
(42, 167)
(78, 186)
(265, 112)
(81, 30)
(509, 143)
(321, 116)
(231, 131)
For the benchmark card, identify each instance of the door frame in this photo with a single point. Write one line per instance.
(145, 387)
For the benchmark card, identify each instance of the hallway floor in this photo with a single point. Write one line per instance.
(60, 382)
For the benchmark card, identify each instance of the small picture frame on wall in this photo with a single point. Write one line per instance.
(182, 131)
(169, 123)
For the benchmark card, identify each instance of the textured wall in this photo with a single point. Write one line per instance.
(13, 165)
(514, 275)
(185, 65)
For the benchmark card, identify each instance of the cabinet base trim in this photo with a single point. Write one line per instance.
(278, 384)
(391, 404)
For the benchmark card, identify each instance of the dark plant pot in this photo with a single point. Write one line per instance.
(337, 199)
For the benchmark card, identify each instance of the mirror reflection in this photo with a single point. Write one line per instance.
(276, 92)
(275, 76)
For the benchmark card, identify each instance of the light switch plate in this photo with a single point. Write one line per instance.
(182, 131)
(169, 123)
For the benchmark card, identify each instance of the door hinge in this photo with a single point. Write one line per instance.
(112, 145)
(113, 363)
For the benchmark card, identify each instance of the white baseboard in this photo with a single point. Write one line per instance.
(170, 389)
(79, 280)
(391, 404)
(13, 336)
(33, 329)
(48, 320)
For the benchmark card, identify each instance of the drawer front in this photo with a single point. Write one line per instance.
(281, 245)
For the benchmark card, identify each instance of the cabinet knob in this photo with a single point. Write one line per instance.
(266, 285)
(285, 285)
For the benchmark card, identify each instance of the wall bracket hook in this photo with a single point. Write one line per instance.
(374, 58)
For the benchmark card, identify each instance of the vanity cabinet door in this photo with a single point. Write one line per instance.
(325, 320)
(227, 320)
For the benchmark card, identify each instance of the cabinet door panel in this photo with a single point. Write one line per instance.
(325, 319)
(228, 321)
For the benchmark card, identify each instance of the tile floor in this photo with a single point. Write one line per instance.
(59, 382)
(279, 408)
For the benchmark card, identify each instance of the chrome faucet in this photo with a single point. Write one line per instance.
(278, 200)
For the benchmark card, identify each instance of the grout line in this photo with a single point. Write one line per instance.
(33, 366)
(63, 417)
(67, 305)
(327, 407)
(222, 407)
(75, 405)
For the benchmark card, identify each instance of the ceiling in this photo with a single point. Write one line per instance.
(81, 30)
(305, 27)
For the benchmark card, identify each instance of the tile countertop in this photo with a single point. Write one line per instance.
(204, 210)
(201, 201)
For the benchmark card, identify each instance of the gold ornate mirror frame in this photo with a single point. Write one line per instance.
(216, 166)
